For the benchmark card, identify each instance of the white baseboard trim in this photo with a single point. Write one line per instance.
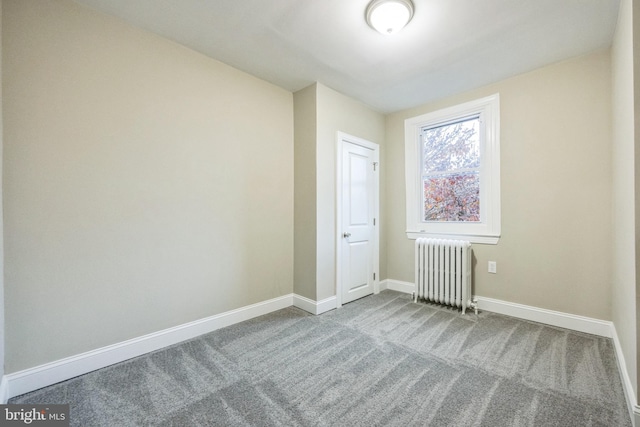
(629, 393)
(397, 285)
(41, 376)
(549, 317)
(304, 303)
(327, 304)
(32, 379)
(315, 307)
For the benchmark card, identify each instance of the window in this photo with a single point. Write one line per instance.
(452, 160)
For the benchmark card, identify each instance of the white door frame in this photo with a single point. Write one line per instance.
(343, 138)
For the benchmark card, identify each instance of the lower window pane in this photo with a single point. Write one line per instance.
(454, 197)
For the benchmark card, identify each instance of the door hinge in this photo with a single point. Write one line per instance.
(374, 221)
(374, 276)
(375, 164)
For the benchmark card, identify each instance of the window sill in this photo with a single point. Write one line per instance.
(483, 240)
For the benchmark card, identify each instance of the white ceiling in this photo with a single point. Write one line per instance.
(449, 46)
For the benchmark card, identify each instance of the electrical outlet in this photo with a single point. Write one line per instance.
(492, 267)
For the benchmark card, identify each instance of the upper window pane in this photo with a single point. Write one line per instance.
(451, 147)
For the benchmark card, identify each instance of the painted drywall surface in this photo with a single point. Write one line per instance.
(555, 250)
(635, 12)
(2, 334)
(623, 303)
(304, 276)
(337, 113)
(145, 185)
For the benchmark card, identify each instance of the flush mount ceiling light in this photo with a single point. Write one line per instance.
(389, 16)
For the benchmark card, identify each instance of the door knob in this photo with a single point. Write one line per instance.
(346, 235)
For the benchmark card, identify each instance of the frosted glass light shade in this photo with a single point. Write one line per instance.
(389, 16)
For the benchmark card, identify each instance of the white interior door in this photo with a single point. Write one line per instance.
(359, 192)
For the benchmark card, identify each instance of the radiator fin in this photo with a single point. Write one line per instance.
(443, 272)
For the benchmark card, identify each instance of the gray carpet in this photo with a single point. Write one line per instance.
(379, 361)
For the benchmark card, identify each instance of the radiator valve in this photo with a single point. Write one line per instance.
(474, 305)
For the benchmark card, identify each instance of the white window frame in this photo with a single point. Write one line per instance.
(487, 230)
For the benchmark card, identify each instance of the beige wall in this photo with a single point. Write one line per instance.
(623, 301)
(305, 253)
(555, 250)
(2, 327)
(320, 113)
(337, 112)
(145, 185)
(636, 112)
